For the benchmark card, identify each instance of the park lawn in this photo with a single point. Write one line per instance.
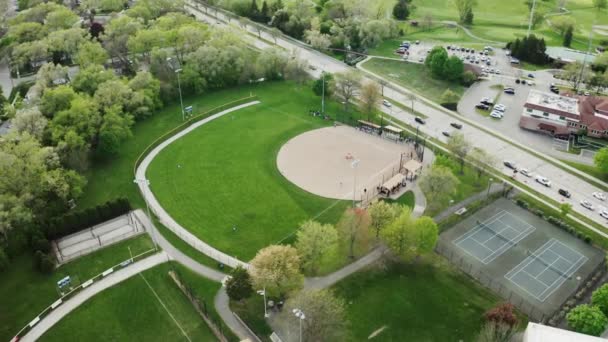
(27, 292)
(408, 199)
(130, 311)
(425, 301)
(591, 170)
(223, 175)
(412, 76)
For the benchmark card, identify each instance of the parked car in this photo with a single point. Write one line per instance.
(543, 181)
(525, 172)
(531, 75)
(387, 104)
(510, 91)
(517, 81)
(482, 106)
(564, 193)
(487, 101)
(420, 120)
(456, 125)
(417, 42)
(604, 214)
(554, 90)
(587, 204)
(420, 59)
(497, 115)
(510, 165)
(530, 83)
(599, 195)
(500, 107)
(447, 134)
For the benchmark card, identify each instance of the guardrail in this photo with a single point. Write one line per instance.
(187, 124)
(75, 290)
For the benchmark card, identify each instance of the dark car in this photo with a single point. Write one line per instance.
(517, 81)
(564, 193)
(510, 165)
(456, 125)
(420, 120)
(531, 75)
(445, 133)
(483, 106)
(510, 91)
(554, 90)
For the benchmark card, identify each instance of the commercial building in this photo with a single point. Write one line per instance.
(542, 333)
(561, 115)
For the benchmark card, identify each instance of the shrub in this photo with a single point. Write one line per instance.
(522, 203)
(449, 99)
(502, 313)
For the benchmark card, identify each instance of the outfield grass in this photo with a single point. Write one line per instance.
(588, 169)
(408, 199)
(224, 175)
(412, 76)
(426, 301)
(130, 311)
(27, 292)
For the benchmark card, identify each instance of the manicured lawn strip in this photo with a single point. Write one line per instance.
(251, 311)
(425, 301)
(588, 169)
(412, 76)
(130, 311)
(224, 175)
(408, 199)
(27, 292)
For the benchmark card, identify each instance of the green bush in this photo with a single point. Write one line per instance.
(588, 239)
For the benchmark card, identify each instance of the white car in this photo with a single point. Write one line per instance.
(604, 214)
(587, 204)
(496, 114)
(525, 172)
(387, 104)
(497, 71)
(600, 196)
(500, 107)
(544, 181)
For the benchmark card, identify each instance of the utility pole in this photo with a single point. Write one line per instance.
(580, 75)
(323, 96)
(531, 17)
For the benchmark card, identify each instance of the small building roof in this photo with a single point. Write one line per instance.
(367, 123)
(541, 333)
(392, 129)
(412, 166)
(393, 181)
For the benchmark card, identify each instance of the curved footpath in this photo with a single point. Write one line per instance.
(169, 252)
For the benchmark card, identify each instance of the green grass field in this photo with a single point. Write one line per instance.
(589, 169)
(227, 175)
(408, 199)
(427, 301)
(27, 292)
(412, 76)
(130, 311)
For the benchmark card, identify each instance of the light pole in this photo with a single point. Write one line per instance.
(323, 96)
(179, 85)
(263, 293)
(300, 315)
(489, 185)
(147, 183)
(354, 165)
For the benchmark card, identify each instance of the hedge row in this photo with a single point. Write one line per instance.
(555, 221)
(76, 221)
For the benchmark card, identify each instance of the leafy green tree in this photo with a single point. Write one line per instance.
(276, 269)
(88, 79)
(325, 316)
(317, 85)
(460, 147)
(600, 4)
(587, 319)
(465, 10)
(82, 117)
(468, 78)
(401, 10)
(313, 242)
(65, 44)
(599, 298)
(238, 286)
(91, 53)
(397, 235)
(436, 61)
(382, 214)
(438, 183)
(601, 160)
(449, 99)
(26, 32)
(115, 129)
(370, 97)
(353, 229)
(565, 209)
(424, 236)
(146, 98)
(483, 160)
(29, 120)
(453, 68)
(116, 37)
(568, 37)
(60, 19)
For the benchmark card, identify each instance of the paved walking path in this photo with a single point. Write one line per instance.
(160, 212)
(69, 305)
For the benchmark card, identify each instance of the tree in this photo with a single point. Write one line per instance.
(60, 19)
(401, 10)
(55, 100)
(91, 53)
(296, 69)
(496, 332)
(276, 269)
(565, 209)
(345, 86)
(325, 316)
(601, 159)
(424, 236)
(468, 78)
(599, 298)
(502, 314)
(382, 214)
(370, 97)
(483, 160)
(317, 40)
(587, 319)
(465, 10)
(82, 118)
(562, 23)
(31, 121)
(116, 128)
(453, 68)
(568, 36)
(88, 79)
(271, 63)
(600, 4)
(313, 241)
(353, 229)
(460, 147)
(96, 30)
(318, 86)
(435, 61)
(238, 286)
(438, 183)
(408, 238)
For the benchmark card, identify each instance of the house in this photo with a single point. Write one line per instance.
(558, 115)
(541, 333)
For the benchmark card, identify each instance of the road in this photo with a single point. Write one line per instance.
(504, 148)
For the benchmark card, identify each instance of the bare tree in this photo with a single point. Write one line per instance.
(370, 97)
(460, 147)
(412, 98)
(346, 85)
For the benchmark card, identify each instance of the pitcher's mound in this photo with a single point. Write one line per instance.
(320, 161)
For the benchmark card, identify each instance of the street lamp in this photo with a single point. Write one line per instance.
(179, 85)
(147, 183)
(354, 165)
(323, 96)
(300, 315)
(263, 293)
(489, 185)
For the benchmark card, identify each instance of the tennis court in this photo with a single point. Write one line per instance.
(546, 269)
(488, 240)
